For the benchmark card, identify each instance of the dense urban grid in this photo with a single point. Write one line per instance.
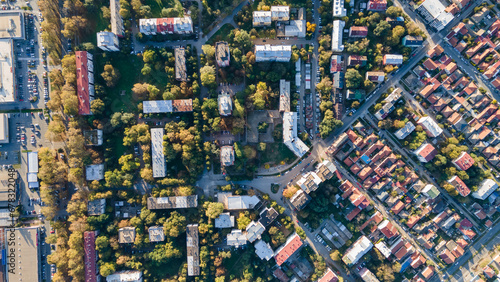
(272, 140)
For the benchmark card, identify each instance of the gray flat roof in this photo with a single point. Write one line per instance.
(26, 255)
(11, 25)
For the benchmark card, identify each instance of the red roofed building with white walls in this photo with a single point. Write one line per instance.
(84, 81)
(293, 243)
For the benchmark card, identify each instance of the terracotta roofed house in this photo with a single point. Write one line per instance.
(388, 229)
(283, 253)
(464, 161)
(447, 256)
(436, 51)
(429, 64)
(426, 152)
(377, 5)
(329, 276)
(358, 31)
(459, 185)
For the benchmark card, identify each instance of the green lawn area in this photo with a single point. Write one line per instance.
(129, 67)
(276, 153)
(221, 34)
(157, 5)
(96, 23)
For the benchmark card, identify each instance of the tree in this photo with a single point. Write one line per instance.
(207, 76)
(209, 51)
(110, 75)
(353, 78)
(382, 28)
(325, 86)
(290, 191)
(140, 90)
(243, 40)
(328, 124)
(106, 13)
(107, 268)
(394, 12)
(69, 102)
(97, 106)
(213, 210)
(175, 225)
(163, 254)
(243, 221)
(137, 133)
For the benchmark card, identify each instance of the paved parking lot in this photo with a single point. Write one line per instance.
(28, 56)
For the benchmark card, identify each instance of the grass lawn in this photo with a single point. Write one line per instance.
(221, 34)
(276, 153)
(157, 5)
(129, 67)
(96, 23)
(238, 261)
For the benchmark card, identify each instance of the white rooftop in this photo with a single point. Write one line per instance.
(4, 128)
(337, 35)
(225, 104)
(32, 161)
(278, 53)
(236, 238)
(261, 18)
(296, 28)
(7, 68)
(486, 187)
(263, 250)
(290, 137)
(237, 202)
(227, 155)
(125, 275)
(362, 246)
(338, 9)
(430, 126)
(107, 39)
(94, 172)
(157, 155)
(225, 220)
(284, 95)
(254, 231)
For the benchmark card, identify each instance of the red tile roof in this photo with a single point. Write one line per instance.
(447, 256)
(488, 272)
(462, 243)
(388, 229)
(417, 260)
(427, 90)
(90, 255)
(353, 214)
(457, 251)
(358, 31)
(398, 207)
(287, 250)
(84, 83)
(468, 232)
(429, 64)
(436, 51)
(329, 276)
(461, 46)
(401, 253)
(465, 223)
(427, 272)
(496, 83)
(464, 161)
(460, 186)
